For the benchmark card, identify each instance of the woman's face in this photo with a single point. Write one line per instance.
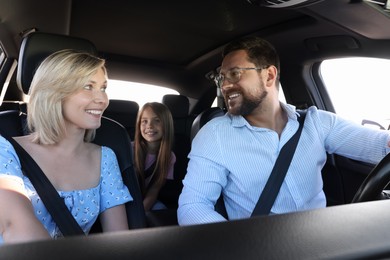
(84, 108)
(151, 126)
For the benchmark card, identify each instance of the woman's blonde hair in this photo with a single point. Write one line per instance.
(60, 75)
(164, 154)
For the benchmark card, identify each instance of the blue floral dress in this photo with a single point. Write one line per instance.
(85, 205)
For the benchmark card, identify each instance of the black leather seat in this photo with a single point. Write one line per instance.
(182, 121)
(179, 106)
(34, 48)
(124, 112)
(201, 119)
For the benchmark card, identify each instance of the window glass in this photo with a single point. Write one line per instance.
(140, 93)
(359, 89)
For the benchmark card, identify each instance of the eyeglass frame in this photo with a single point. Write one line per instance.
(219, 79)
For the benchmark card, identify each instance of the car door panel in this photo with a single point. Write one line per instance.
(342, 178)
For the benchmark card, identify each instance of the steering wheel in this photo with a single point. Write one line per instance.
(372, 187)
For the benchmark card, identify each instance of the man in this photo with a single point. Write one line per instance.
(234, 154)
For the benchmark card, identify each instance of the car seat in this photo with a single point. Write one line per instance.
(201, 119)
(182, 121)
(124, 112)
(34, 48)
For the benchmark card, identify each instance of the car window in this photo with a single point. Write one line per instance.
(359, 89)
(140, 93)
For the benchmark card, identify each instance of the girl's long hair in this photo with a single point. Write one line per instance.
(164, 153)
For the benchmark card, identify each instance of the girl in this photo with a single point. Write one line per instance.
(153, 156)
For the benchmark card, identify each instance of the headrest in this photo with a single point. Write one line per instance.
(37, 46)
(178, 105)
(205, 117)
(123, 111)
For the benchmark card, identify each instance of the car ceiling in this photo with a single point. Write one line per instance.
(156, 31)
(173, 42)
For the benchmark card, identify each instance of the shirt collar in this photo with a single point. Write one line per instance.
(240, 121)
(291, 110)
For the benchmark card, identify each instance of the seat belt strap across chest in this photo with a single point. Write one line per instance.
(46, 191)
(275, 180)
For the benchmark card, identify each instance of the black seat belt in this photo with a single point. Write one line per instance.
(46, 191)
(275, 180)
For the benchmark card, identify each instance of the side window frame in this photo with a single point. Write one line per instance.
(318, 90)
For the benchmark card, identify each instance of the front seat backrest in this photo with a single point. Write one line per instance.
(35, 48)
(115, 136)
(201, 119)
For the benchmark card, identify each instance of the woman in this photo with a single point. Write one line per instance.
(67, 100)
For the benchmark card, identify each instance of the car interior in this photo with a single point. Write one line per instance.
(178, 44)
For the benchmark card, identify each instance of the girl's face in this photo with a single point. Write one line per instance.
(84, 108)
(151, 126)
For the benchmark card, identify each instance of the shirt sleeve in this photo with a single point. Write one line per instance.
(203, 182)
(349, 139)
(113, 191)
(9, 160)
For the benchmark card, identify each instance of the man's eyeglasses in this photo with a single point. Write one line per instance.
(233, 75)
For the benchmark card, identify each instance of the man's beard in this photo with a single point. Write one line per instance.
(248, 105)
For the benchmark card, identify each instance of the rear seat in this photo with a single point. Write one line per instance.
(125, 112)
(179, 107)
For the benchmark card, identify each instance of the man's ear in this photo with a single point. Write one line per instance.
(272, 74)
